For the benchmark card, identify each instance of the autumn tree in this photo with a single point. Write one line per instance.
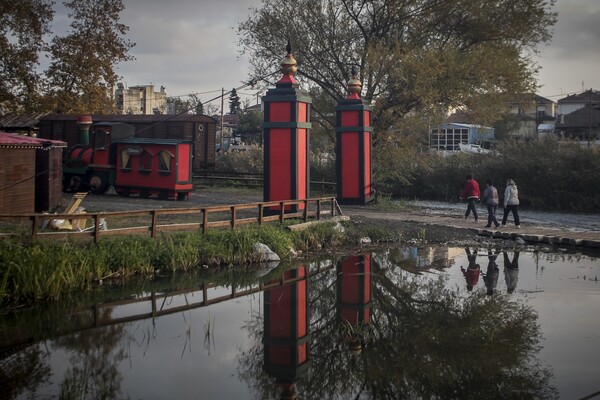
(415, 57)
(23, 24)
(82, 74)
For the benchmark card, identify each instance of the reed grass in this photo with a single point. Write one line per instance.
(33, 271)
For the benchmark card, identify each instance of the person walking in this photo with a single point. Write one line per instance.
(471, 193)
(490, 197)
(511, 203)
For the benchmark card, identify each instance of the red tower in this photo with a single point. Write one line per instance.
(286, 332)
(353, 147)
(354, 297)
(286, 130)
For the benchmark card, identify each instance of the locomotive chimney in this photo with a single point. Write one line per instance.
(84, 122)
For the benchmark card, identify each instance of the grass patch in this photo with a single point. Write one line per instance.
(33, 271)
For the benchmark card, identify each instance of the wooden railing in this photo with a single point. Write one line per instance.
(197, 218)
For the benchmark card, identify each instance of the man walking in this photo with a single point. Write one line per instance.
(471, 193)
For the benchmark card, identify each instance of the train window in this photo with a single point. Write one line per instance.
(145, 161)
(125, 160)
(100, 135)
(164, 158)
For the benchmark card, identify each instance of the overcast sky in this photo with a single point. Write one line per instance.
(190, 46)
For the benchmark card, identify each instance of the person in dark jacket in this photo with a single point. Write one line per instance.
(490, 199)
(471, 193)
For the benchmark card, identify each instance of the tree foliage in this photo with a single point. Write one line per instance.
(23, 24)
(234, 102)
(413, 55)
(82, 68)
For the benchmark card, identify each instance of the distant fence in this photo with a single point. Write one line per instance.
(197, 218)
(252, 179)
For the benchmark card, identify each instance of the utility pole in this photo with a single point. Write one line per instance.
(222, 103)
(590, 120)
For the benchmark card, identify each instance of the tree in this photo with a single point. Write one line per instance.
(82, 74)
(249, 126)
(414, 56)
(23, 24)
(234, 102)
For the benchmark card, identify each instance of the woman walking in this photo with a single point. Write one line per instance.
(511, 202)
(490, 197)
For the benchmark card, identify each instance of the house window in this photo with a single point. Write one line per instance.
(164, 158)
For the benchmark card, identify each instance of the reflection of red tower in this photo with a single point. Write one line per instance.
(353, 146)
(286, 130)
(286, 337)
(354, 294)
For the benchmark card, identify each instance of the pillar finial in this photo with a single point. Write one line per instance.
(289, 67)
(354, 85)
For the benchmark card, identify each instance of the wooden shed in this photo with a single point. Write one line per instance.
(198, 129)
(30, 174)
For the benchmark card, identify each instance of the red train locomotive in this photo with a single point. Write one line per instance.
(109, 154)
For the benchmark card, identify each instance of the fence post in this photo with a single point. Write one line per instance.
(96, 227)
(204, 220)
(318, 209)
(282, 214)
(261, 210)
(233, 217)
(153, 226)
(34, 227)
(305, 210)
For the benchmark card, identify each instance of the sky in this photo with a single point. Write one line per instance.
(190, 46)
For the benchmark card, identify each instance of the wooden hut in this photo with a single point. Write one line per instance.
(30, 174)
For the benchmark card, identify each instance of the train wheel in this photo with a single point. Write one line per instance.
(71, 183)
(182, 196)
(99, 183)
(144, 193)
(163, 195)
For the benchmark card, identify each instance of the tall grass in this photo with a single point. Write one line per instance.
(34, 271)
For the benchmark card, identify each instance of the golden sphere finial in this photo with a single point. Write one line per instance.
(288, 64)
(354, 84)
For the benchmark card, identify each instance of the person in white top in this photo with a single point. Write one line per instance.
(511, 202)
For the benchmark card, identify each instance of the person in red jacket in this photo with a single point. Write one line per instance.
(471, 193)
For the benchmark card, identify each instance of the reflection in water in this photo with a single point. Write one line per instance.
(511, 271)
(417, 339)
(490, 278)
(388, 324)
(472, 272)
(286, 338)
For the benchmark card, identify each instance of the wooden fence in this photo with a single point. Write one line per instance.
(198, 218)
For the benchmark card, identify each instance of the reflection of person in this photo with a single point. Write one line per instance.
(490, 197)
(511, 202)
(471, 193)
(511, 271)
(472, 272)
(490, 278)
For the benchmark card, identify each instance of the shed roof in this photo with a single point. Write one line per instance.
(13, 140)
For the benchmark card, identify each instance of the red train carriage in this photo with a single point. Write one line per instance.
(147, 167)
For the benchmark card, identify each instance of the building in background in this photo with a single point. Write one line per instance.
(578, 116)
(140, 100)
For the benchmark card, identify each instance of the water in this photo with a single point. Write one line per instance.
(394, 323)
